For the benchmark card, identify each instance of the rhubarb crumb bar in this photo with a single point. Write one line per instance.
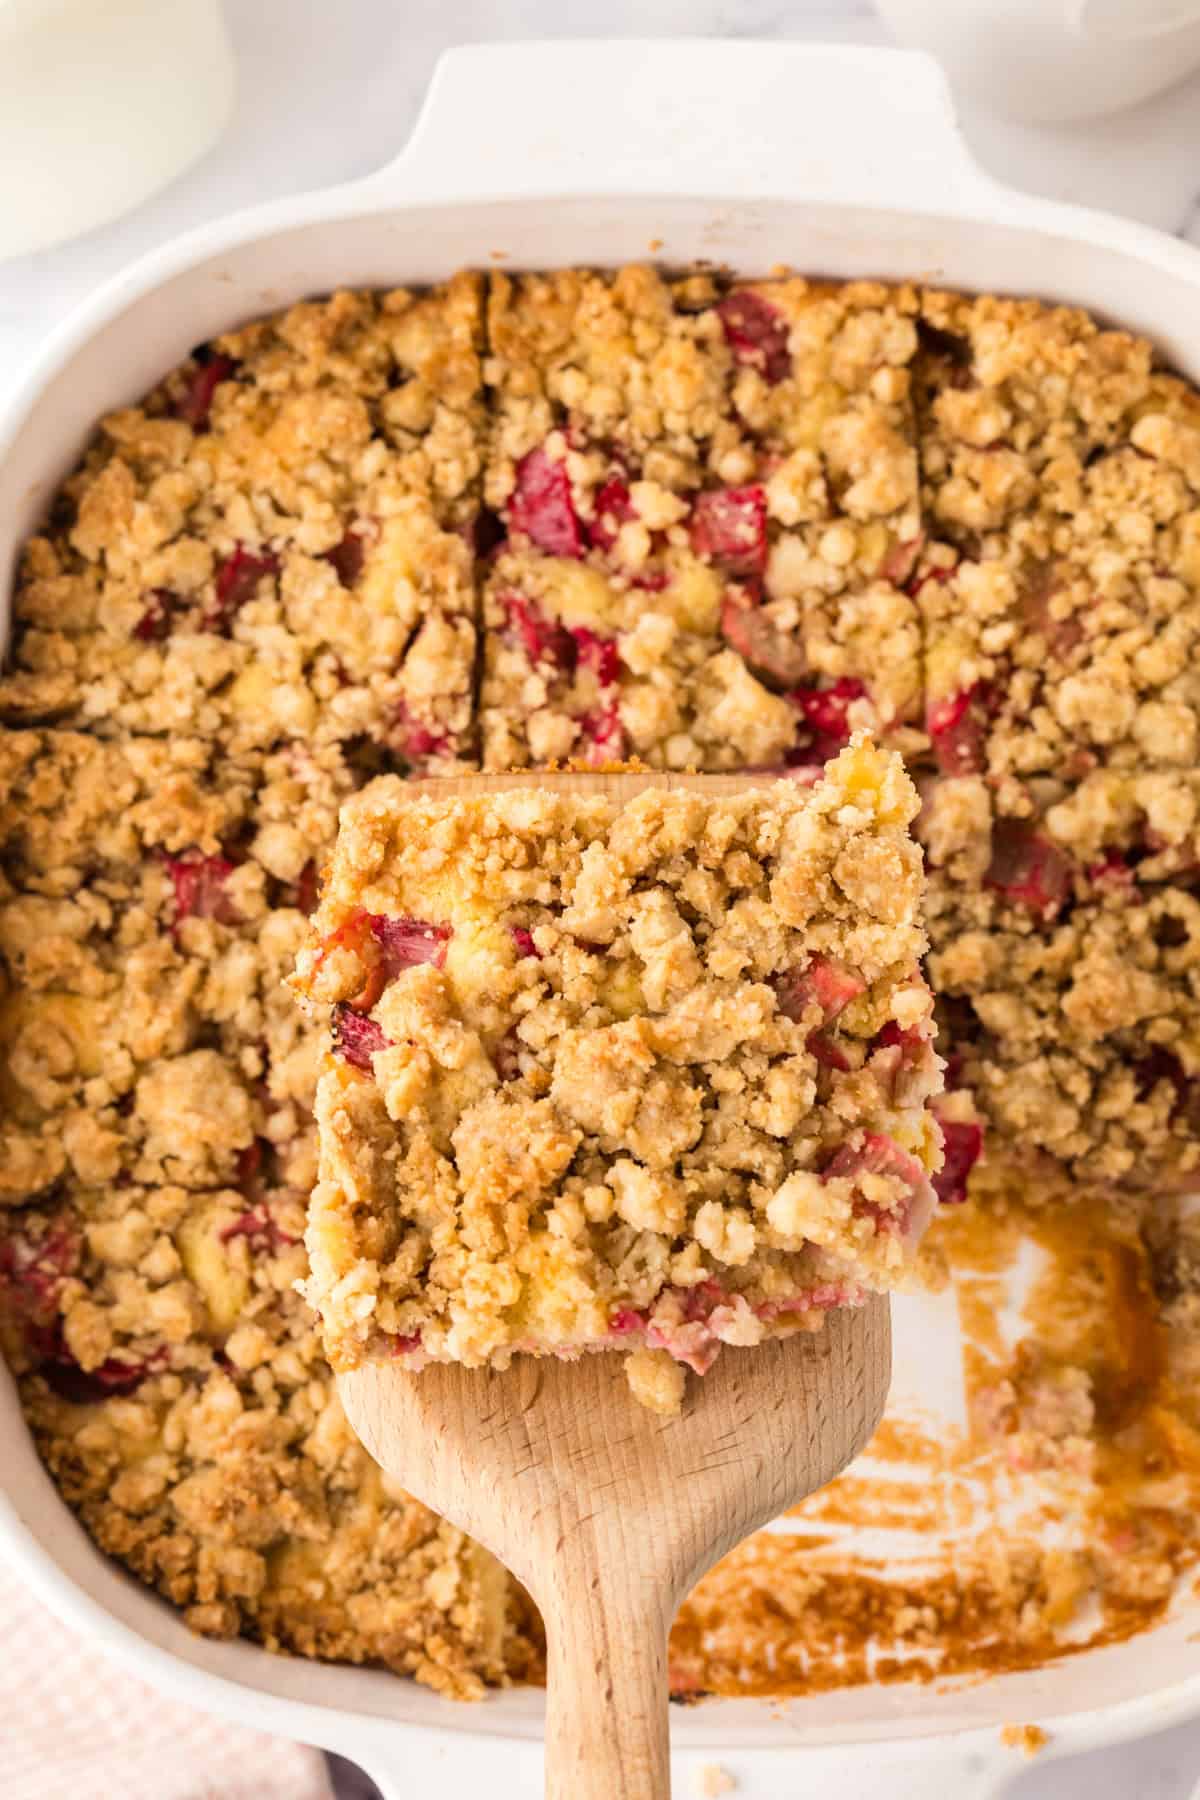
(276, 542)
(155, 896)
(648, 1076)
(175, 1383)
(704, 514)
(1069, 997)
(1060, 584)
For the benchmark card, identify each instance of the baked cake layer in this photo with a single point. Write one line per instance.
(650, 1073)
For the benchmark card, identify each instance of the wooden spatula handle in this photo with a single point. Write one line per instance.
(606, 1707)
(610, 1514)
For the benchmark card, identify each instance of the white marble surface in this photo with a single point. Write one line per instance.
(328, 92)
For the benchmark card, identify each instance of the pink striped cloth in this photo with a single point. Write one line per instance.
(75, 1727)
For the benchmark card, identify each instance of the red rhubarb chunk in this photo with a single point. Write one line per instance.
(506, 1056)
(901, 559)
(700, 1300)
(199, 883)
(523, 942)
(613, 508)
(827, 1051)
(197, 400)
(603, 734)
(1043, 582)
(826, 713)
(879, 1154)
(625, 1320)
(417, 741)
(822, 1298)
(347, 558)
(799, 768)
(958, 727)
(757, 333)
(904, 1038)
(1026, 868)
(260, 1228)
(155, 623)
(541, 506)
(33, 1270)
(730, 526)
(308, 888)
(357, 1038)
(823, 982)
(237, 581)
(249, 1165)
(1113, 875)
(896, 1054)
(406, 942)
(544, 640)
(962, 1143)
(748, 630)
(403, 1346)
(939, 576)
(599, 654)
(1162, 1065)
(116, 1375)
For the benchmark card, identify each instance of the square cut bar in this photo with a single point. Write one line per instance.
(155, 894)
(277, 543)
(1069, 1001)
(176, 1386)
(705, 503)
(650, 1075)
(1060, 583)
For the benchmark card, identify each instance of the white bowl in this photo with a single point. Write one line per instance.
(102, 102)
(837, 160)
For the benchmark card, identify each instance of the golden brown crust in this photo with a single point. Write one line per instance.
(709, 498)
(278, 553)
(1060, 586)
(1069, 995)
(159, 857)
(612, 1075)
(1058, 490)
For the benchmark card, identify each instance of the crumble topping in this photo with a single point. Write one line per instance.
(641, 1075)
(1069, 995)
(289, 559)
(1060, 583)
(285, 571)
(705, 508)
(154, 898)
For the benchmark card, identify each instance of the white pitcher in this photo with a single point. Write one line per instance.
(1054, 59)
(102, 102)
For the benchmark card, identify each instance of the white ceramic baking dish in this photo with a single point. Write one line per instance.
(836, 160)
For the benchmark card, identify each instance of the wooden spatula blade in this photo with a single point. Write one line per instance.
(609, 1514)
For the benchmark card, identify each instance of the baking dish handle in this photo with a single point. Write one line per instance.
(837, 123)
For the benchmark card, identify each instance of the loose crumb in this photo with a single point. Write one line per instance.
(712, 1780)
(1028, 1739)
(656, 1381)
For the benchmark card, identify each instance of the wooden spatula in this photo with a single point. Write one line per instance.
(608, 1513)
